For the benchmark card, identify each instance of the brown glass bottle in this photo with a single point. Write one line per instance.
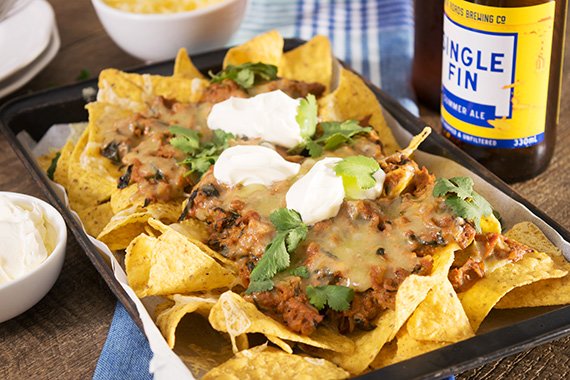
(426, 68)
(521, 163)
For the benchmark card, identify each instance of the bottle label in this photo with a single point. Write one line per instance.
(496, 64)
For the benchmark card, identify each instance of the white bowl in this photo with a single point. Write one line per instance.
(154, 37)
(22, 293)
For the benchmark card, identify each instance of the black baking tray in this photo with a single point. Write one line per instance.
(36, 113)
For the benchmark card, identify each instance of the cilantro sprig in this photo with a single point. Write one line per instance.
(290, 232)
(357, 174)
(462, 199)
(336, 297)
(335, 134)
(247, 74)
(200, 155)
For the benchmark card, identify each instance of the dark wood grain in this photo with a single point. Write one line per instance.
(62, 336)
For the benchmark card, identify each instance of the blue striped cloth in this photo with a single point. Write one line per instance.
(374, 37)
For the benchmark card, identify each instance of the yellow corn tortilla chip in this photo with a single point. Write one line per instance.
(402, 348)
(266, 48)
(62, 168)
(484, 295)
(168, 318)
(410, 294)
(310, 62)
(262, 363)
(130, 223)
(197, 233)
(236, 316)
(440, 317)
(132, 91)
(541, 293)
(352, 99)
(86, 188)
(184, 68)
(172, 264)
(95, 218)
(123, 199)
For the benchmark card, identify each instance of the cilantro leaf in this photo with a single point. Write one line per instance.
(301, 271)
(247, 74)
(337, 133)
(290, 232)
(200, 155)
(260, 286)
(462, 199)
(185, 140)
(336, 297)
(307, 116)
(359, 169)
(53, 166)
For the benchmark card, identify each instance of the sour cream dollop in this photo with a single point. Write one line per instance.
(318, 195)
(252, 164)
(23, 239)
(269, 116)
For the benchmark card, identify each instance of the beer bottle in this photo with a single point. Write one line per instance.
(501, 74)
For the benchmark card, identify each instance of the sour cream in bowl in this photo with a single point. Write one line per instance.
(33, 238)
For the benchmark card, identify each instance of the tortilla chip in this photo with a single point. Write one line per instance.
(484, 295)
(167, 319)
(402, 348)
(197, 233)
(130, 223)
(95, 218)
(62, 168)
(236, 316)
(262, 363)
(352, 99)
(411, 293)
(266, 48)
(184, 68)
(310, 62)
(133, 91)
(172, 264)
(126, 198)
(440, 317)
(541, 293)
(86, 188)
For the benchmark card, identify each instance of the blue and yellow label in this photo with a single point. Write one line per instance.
(496, 64)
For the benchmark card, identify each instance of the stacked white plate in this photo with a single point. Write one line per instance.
(29, 40)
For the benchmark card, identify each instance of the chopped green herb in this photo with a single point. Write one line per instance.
(185, 140)
(462, 199)
(84, 74)
(247, 74)
(290, 232)
(334, 134)
(358, 169)
(200, 155)
(53, 165)
(301, 271)
(307, 116)
(336, 297)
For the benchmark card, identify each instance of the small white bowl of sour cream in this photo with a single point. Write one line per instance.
(33, 238)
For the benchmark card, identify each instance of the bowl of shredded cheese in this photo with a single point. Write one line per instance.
(154, 30)
(33, 238)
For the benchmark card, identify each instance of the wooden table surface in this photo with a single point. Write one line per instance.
(62, 336)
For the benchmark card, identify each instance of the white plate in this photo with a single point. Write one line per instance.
(24, 75)
(24, 36)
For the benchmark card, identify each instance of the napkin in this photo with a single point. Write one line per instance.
(374, 37)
